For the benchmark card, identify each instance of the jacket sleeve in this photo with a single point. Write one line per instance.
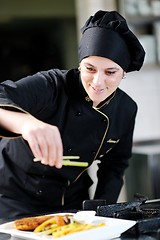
(33, 94)
(112, 166)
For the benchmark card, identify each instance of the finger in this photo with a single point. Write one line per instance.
(50, 145)
(56, 150)
(31, 138)
(58, 163)
(44, 146)
(35, 148)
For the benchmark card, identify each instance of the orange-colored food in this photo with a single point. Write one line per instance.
(30, 223)
(60, 221)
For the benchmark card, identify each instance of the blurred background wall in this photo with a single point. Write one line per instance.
(42, 34)
(36, 35)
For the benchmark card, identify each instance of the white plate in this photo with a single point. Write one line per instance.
(113, 229)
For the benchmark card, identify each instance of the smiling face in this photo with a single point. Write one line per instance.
(100, 77)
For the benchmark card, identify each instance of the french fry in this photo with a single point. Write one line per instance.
(72, 228)
(42, 226)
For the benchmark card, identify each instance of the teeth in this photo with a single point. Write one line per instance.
(96, 89)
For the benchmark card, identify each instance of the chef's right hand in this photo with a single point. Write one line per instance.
(44, 139)
(45, 142)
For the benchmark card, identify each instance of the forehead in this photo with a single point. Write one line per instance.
(100, 62)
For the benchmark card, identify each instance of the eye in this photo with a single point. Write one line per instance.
(90, 69)
(109, 73)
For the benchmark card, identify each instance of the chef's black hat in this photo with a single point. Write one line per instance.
(106, 34)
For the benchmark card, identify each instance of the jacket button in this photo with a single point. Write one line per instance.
(39, 192)
(69, 149)
(79, 114)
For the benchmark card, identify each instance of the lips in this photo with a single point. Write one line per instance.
(97, 90)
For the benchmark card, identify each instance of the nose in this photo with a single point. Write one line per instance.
(98, 79)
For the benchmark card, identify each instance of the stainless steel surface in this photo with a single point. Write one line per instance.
(5, 236)
(143, 174)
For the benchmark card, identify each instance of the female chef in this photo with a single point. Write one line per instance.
(76, 112)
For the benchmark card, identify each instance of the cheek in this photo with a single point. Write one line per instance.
(85, 78)
(114, 82)
(119, 81)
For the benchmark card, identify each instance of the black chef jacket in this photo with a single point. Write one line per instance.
(105, 133)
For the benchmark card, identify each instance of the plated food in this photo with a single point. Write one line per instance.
(57, 225)
(42, 227)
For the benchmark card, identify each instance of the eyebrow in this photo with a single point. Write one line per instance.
(109, 68)
(113, 68)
